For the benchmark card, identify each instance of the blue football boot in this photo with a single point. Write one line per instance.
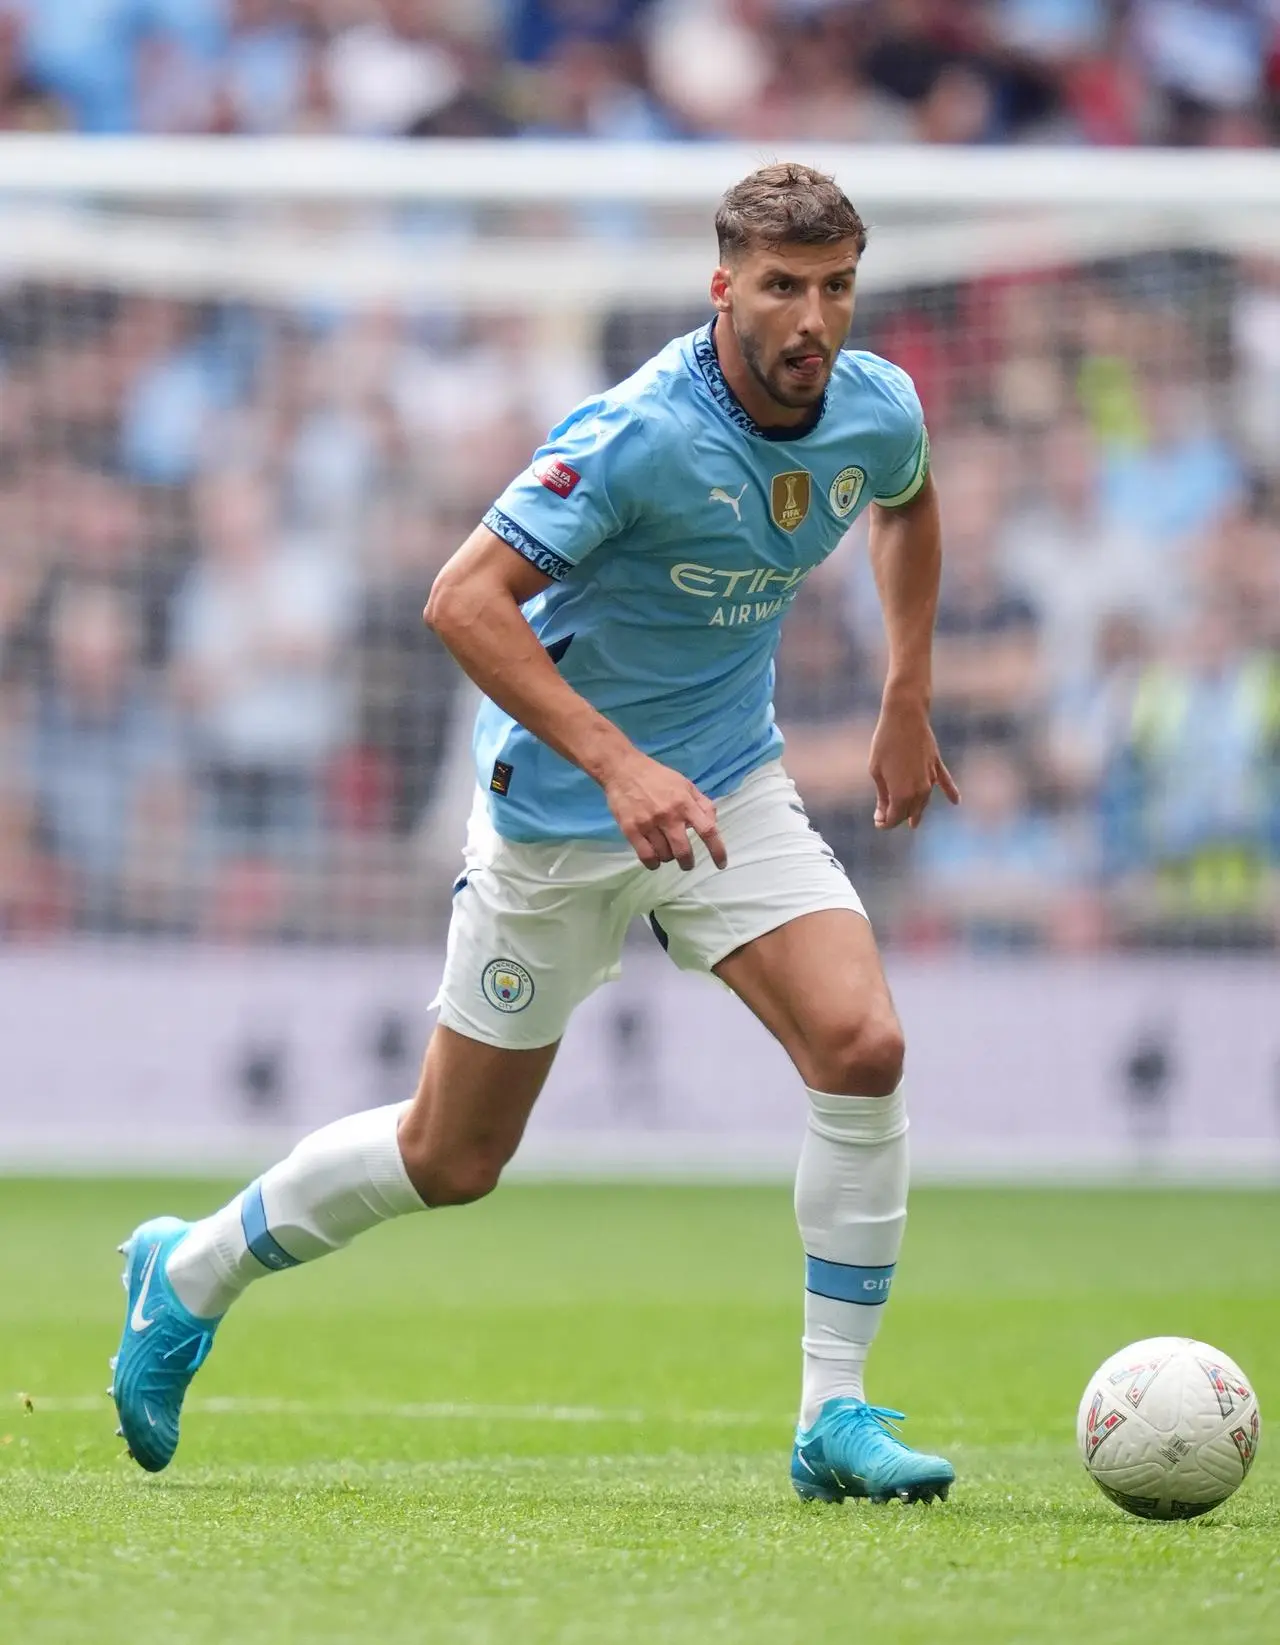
(852, 1452)
(162, 1348)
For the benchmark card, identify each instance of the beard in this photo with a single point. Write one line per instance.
(794, 396)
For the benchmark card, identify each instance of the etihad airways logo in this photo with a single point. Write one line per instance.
(714, 583)
(753, 595)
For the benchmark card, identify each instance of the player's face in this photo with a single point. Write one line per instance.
(791, 308)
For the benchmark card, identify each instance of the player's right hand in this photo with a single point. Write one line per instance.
(656, 808)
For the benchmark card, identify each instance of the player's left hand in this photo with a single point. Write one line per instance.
(906, 766)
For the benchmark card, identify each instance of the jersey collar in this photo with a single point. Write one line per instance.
(704, 352)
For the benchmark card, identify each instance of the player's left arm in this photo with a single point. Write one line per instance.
(905, 543)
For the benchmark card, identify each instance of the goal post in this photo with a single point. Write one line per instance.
(212, 216)
(254, 392)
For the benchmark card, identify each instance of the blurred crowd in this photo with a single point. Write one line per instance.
(1107, 682)
(220, 715)
(939, 71)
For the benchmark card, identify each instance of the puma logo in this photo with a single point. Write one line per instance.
(718, 494)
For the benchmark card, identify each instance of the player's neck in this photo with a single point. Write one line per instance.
(763, 410)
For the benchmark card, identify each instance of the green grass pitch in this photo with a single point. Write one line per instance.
(564, 1415)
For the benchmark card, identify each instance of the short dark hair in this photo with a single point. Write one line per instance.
(786, 204)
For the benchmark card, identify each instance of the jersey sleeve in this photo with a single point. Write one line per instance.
(905, 441)
(585, 485)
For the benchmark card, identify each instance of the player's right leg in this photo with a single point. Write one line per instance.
(446, 1147)
(535, 928)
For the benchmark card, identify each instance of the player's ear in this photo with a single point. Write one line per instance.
(721, 290)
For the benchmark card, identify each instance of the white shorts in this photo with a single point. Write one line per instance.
(536, 928)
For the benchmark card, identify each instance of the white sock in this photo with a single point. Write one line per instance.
(851, 1205)
(337, 1182)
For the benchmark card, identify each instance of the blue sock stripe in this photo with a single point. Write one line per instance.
(258, 1237)
(847, 1282)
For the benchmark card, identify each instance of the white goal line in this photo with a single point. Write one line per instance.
(389, 1410)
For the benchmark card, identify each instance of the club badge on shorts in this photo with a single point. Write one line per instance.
(789, 495)
(507, 986)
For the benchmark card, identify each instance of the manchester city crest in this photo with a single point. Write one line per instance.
(507, 986)
(845, 490)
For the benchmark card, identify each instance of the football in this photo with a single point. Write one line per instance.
(1168, 1428)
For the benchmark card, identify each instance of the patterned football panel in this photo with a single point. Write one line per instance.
(1123, 1454)
(1145, 1507)
(1188, 1510)
(1245, 1437)
(1145, 1378)
(1212, 1473)
(1141, 1461)
(1219, 1410)
(1228, 1387)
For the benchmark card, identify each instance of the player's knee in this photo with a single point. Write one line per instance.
(862, 1060)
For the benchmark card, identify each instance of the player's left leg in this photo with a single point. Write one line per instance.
(817, 985)
(783, 927)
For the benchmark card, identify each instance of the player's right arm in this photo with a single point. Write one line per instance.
(474, 607)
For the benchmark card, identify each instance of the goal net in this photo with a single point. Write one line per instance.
(252, 395)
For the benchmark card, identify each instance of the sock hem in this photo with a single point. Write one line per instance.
(865, 1120)
(389, 1174)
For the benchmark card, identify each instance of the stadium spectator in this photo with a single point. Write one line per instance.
(25, 103)
(818, 89)
(393, 67)
(87, 55)
(264, 69)
(591, 88)
(1089, 717)
(1255, 332)
(331, 452)
(709, 60)
(175, 92)
(22, 863)
(1204, 743)
(1105, 98)
(257, 628)
(1181, 475)
(1052, 31)
(36, 897)
(826, 701)
(97, 523)
(988, 662)
(169, 393)
(102, 745)
(1074, 566)
(1207, 56)
(535, 29)
(22, 580)
(940, 71)
(407, 681)
(995, 873)
(1237, 566)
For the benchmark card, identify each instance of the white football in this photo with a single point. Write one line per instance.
(1168, 1427)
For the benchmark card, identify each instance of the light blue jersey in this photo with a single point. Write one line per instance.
(678, 533)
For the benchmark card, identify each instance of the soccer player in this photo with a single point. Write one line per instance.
(619, 607)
